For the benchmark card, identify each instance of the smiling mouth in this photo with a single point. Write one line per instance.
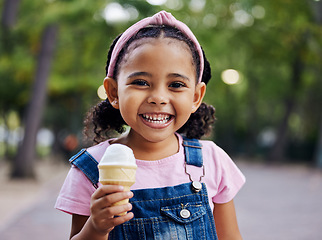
(156, 118)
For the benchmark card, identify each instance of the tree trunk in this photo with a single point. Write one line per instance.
(318, 152)
(277, 152)
(317, 9)
(252, 115)
(9, 13)
(23, 164)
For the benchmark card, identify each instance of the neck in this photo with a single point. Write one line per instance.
(147, 150)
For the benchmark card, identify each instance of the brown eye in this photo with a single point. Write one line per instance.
(177, 85)
(140, 82)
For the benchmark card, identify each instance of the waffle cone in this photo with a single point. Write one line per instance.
(117, 175)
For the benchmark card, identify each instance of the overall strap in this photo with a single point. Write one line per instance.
(193, 156)
(193, 151)
(84, 161)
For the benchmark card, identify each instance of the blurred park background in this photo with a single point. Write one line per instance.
(266, 59)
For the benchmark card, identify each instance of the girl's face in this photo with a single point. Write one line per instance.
(156, 88)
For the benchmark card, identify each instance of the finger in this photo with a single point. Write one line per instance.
(104, 222)
(116, 210)
(111, 199)
(120, 220)
(105, 217)
(107, 189)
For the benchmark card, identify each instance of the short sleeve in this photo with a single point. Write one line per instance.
(75, 194)
(230, 178)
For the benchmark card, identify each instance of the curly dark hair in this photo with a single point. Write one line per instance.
(104, 120)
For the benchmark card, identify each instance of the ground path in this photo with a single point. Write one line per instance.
(277, 202)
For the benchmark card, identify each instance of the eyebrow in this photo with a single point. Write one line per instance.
(136, 74)
(175, 75)
(179, 76)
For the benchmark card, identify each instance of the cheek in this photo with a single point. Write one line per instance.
(184, 105)
(129, 105)
(129, 97)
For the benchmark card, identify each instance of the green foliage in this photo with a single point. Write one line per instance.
(261, 46)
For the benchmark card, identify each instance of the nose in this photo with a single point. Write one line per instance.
(158, 97)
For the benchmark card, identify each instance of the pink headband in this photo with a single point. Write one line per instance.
(161, 18)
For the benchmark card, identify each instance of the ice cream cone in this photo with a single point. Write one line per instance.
(118, 167)
(118, 175)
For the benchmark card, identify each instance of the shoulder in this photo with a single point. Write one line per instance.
(209, 147)
(216, 158)
(75, 194)
(98, 150)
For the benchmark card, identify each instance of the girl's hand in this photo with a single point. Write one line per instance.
(102, 211)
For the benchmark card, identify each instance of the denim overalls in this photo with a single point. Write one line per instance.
(178, 212)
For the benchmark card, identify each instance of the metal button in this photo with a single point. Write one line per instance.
(196, 186)
(185, 213)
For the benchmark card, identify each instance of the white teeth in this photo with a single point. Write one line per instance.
(156, 118)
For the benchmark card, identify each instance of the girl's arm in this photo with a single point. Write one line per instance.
(78, 222)
(226, 221)
(102, 221)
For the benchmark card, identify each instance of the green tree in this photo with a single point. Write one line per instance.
(23, 165)
(275, 46)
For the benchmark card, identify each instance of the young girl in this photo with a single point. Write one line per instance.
(156, 80)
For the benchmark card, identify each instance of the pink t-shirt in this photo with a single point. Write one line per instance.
(222, 177)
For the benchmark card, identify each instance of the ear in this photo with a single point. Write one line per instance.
(200, 92)
(110, 86)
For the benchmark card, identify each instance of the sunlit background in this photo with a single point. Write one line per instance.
(266, 75)
(265, 63)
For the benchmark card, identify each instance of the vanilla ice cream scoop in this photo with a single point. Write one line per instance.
(118, 154)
